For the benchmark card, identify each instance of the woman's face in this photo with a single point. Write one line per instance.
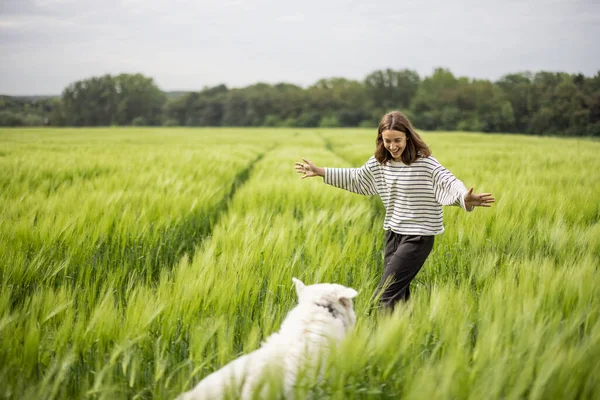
(395, 143)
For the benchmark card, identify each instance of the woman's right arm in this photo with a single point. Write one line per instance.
(356, 180)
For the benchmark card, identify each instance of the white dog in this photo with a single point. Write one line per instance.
(323, 316)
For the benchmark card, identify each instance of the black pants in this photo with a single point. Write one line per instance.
(404, 257)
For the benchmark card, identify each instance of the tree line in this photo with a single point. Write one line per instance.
(542, 103)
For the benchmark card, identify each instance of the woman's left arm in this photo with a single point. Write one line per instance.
(450, 191)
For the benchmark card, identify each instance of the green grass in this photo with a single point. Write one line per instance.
(133, 262)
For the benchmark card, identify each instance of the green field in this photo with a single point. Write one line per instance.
(133, 262)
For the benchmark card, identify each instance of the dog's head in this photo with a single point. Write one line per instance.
(332, 296)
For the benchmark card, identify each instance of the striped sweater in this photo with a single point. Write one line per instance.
(413, 195)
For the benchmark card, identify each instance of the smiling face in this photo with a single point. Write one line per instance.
(394, 142)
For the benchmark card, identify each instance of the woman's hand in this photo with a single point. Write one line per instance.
(477, 200)
(309, 169)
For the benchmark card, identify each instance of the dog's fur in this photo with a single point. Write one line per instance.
(323, 316)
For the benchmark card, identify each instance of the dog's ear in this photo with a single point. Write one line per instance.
(299, 286)
(346, 295)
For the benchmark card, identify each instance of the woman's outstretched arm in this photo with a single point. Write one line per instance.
(309, 169)
(355, 180)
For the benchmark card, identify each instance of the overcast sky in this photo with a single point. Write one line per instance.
(186, 44)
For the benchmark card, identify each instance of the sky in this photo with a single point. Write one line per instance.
(187, 45)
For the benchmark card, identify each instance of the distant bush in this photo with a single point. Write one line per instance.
(309, 119)
(469, 125)
(139, 121)
(272, 120)
(329, 122)
(8, 118)
(367, 124)
(33, 120)
(593, 130)
(290, 122)
(170, 122)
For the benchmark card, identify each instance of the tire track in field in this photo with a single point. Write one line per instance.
(187, 236)
(221, 207)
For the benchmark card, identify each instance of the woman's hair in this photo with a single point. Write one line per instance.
(415, 146)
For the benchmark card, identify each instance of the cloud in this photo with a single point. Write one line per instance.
(35, 22)
(192, 43)
(52, 3)
(290, 18)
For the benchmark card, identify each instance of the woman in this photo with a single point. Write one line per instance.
(413, 187)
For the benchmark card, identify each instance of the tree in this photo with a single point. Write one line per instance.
(235, 108)
(434, 94)
(111, 100)
(540, 103)
(91, 102)
(516, 89)
(138, 96)
(391, 90)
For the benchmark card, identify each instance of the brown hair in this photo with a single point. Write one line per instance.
(415, 146)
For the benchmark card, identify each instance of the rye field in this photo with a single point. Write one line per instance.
(134, 262)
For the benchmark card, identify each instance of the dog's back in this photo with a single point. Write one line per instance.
(323, 316)
(221, 384)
